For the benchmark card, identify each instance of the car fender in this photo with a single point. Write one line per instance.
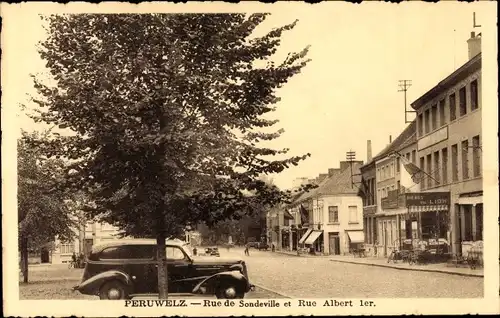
(233, 275)
(91, 286)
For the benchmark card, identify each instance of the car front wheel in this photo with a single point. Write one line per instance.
(113, 290)
(229, 291)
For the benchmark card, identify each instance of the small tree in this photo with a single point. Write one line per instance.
(43, 211)
(168, 112)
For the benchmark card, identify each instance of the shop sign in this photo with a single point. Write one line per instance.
(427, 198)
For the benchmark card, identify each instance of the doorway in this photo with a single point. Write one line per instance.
(334, 241)
(44, 255)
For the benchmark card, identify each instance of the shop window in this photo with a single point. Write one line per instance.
(444, 166)
(454, 163)
(453, 107)
(436, 168)
(442, 114)
(333, 214)
(479, 222)
(462, 100)
(434, 117)
(465, 159)
(474, 95)
(476, 156)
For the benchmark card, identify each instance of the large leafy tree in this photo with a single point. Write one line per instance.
(169, 112)
(44, 208)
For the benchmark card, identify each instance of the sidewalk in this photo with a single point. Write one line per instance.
(436, 268)
(294, 253)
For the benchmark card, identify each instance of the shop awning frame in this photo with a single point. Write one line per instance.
(356, 236)
(304, 237)
(313, 237)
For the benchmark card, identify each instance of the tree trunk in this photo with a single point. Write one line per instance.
(24, 258)
(162, 267)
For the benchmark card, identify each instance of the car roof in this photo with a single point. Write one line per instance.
(120, 242)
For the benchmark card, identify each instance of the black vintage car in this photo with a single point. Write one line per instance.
(124, 268)
(212, 251)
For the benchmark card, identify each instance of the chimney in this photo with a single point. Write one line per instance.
(474, 44)
(368, 150)
(390, 138)
(332, 171)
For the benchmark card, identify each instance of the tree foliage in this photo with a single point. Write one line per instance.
(43, 207)
(168, 112)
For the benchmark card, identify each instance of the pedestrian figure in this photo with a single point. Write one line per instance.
(81, 260)
(195, 251)
(246, 250)
(272, 247)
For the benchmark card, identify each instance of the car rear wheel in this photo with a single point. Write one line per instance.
(113, 290)
(229, 291)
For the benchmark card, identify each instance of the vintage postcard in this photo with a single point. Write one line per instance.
(234, 159)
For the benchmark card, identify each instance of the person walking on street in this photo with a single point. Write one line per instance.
(246, 250)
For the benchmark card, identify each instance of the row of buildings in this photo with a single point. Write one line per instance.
(426, 185)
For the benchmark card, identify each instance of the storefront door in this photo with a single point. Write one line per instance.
(334, 243)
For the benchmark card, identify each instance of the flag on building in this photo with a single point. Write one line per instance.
(304, 215)
(411, 177)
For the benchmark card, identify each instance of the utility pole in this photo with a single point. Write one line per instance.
(403, 87)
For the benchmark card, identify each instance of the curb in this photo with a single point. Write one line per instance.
(411, 269)
(272, 291)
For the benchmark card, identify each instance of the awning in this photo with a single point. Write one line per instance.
(313, 237)
(303, 238)
(356, 236)
(470, 200)
(427, 208)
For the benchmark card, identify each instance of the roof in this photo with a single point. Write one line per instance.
(452, 79)
(339, 182)
(128, 241)
(406, 138)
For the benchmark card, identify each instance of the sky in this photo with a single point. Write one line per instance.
(346, 95)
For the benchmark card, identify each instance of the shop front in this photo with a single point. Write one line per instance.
(427, 222)
(469, 222)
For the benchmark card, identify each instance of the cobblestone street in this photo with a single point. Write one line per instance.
(319, 277)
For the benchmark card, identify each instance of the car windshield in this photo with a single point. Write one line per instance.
(188, 249)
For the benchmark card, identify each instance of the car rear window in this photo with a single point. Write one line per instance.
(128, 252)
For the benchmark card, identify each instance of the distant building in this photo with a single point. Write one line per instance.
(328, 219)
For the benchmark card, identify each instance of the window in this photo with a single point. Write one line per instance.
(420, 124)
(467, 215)
(408, 156)
(427, 121)
(474, 100)
(333, 214)
(398, 163)
(422, 167)
(174, 253)
(454, 163)
(444, 166)
(465, 159)
(128, 252)
(476, 156)
(353, 214)
(392, 170)
(442, 115)
(434, 117)
(414, 157)
(67, 248)
(399, 186)
(453, 107)
(436, 167)
(383, 173)
(462, 100)
(429, 170)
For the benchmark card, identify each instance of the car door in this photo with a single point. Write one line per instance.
(180, 278)
(142, 268)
